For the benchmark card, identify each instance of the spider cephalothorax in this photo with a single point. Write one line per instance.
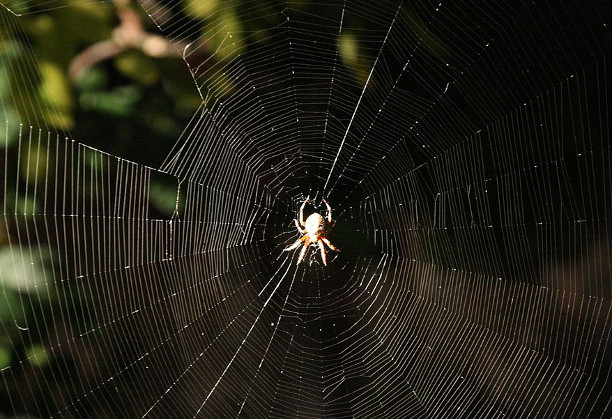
(314, 231)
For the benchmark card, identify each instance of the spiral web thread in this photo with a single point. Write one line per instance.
(465, 151)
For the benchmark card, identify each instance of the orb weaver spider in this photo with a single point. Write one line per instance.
(314, 230)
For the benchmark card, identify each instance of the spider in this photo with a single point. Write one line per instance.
(315, 229)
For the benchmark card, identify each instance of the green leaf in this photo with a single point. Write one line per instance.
(5, 356)
(11, 310)
(23, 269)
(92, 79)
(38, 355)
(351, 56)
(138, 67)
(228, 39)
(119, 102)
(55, 90)
(201, 9)
(9, 128)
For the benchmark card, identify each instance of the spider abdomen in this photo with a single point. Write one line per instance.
(315, 224)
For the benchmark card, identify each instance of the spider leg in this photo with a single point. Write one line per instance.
(329, 212)
(331, 246)
(323, 255)
(293, 246)
(303, 252)
(302, 213)
(300, 229)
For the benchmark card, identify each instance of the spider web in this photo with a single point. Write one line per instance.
(464, 148)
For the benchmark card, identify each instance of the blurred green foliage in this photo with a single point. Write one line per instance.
(132, 103)
(128, 104)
